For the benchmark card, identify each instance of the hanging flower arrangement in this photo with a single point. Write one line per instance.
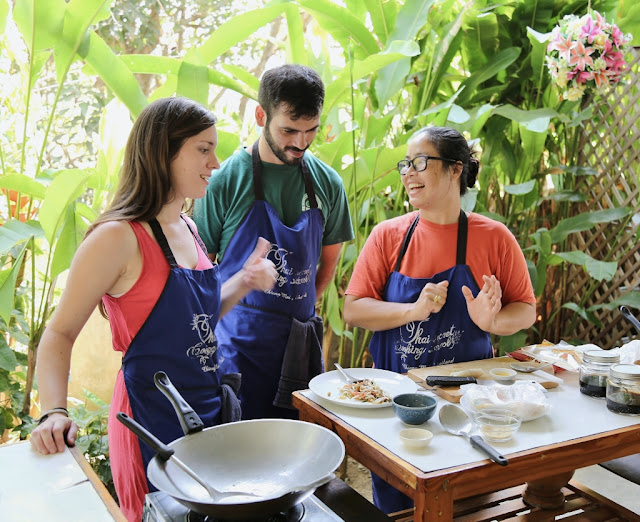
(585, 54)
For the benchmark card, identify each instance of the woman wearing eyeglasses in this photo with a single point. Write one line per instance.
(434, 284)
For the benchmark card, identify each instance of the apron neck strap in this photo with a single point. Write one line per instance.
(405, 242)
(461, 250)
(164, 244)
(162, 241)
(461, 247)
(258, 188)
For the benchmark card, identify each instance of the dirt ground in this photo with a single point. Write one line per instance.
(358, 477)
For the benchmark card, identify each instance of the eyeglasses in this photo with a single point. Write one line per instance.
(419, 163)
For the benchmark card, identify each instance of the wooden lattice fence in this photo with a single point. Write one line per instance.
(610, 144)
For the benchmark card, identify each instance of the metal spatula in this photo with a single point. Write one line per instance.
(528, 368)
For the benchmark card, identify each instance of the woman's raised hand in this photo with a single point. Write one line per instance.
(259, 273)
(431, 300)
(484, 308)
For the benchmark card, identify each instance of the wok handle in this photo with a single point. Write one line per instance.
(627, 313)
(163, 451)
(478, 442)
(189, 420)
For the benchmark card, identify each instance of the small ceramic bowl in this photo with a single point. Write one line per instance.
(503, 374)
(414, 408)
(415, 437)
(498, 424)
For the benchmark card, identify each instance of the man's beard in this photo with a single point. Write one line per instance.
(279, 152)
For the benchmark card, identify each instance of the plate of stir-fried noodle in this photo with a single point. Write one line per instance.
(376, 389)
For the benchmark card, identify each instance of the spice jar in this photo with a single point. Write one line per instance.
(594, 372)
(623, 389)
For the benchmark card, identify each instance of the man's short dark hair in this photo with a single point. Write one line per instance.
(298, 87)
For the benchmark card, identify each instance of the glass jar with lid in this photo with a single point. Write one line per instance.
(623, 389)
(594, 371)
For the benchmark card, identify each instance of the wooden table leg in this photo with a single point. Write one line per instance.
(547, 493)
(436, 504)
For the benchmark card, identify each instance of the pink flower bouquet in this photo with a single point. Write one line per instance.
(586, 53)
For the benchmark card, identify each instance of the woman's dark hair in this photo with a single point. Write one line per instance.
(452, 145)
(155, 139)
(298, 87)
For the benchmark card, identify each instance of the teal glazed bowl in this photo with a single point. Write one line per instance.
(414, 408)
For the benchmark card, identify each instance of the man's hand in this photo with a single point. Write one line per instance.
(258, 272)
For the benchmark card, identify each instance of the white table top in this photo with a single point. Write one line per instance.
(572, 415)
(46, 487)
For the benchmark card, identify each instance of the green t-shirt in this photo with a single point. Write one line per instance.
(230, 196)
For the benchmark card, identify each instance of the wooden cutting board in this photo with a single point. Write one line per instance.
(453, 393)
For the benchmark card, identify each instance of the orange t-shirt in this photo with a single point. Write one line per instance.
(491, 250)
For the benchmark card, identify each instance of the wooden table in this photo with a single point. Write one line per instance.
(545, 464)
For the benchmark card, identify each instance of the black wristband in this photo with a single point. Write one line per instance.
(46, 414)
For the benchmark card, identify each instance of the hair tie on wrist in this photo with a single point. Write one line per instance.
(46, 414)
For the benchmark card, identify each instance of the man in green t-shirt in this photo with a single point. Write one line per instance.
(279, 191)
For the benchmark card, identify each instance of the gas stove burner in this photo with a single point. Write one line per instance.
(294, 514)
(160, 507)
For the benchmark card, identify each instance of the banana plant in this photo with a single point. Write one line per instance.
(42, 229)
(382, 118)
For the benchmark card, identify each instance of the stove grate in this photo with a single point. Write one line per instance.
(160, 507)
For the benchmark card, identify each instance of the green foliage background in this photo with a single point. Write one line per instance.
(73, 75)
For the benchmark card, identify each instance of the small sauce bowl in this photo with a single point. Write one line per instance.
(502, 374)
(415, 437)
(414, 408)
(498, 424)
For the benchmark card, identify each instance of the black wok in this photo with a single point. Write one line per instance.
(283, 461)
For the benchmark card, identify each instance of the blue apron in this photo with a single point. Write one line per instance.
(254, 335)
(443, 338)
(177, 338)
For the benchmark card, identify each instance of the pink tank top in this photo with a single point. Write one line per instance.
(128, 312)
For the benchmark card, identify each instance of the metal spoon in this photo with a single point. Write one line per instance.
(165, 453)
(528, 368)
(630, 317)
(456, 421)
(345, 375)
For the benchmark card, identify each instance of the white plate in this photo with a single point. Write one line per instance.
(391, 382)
